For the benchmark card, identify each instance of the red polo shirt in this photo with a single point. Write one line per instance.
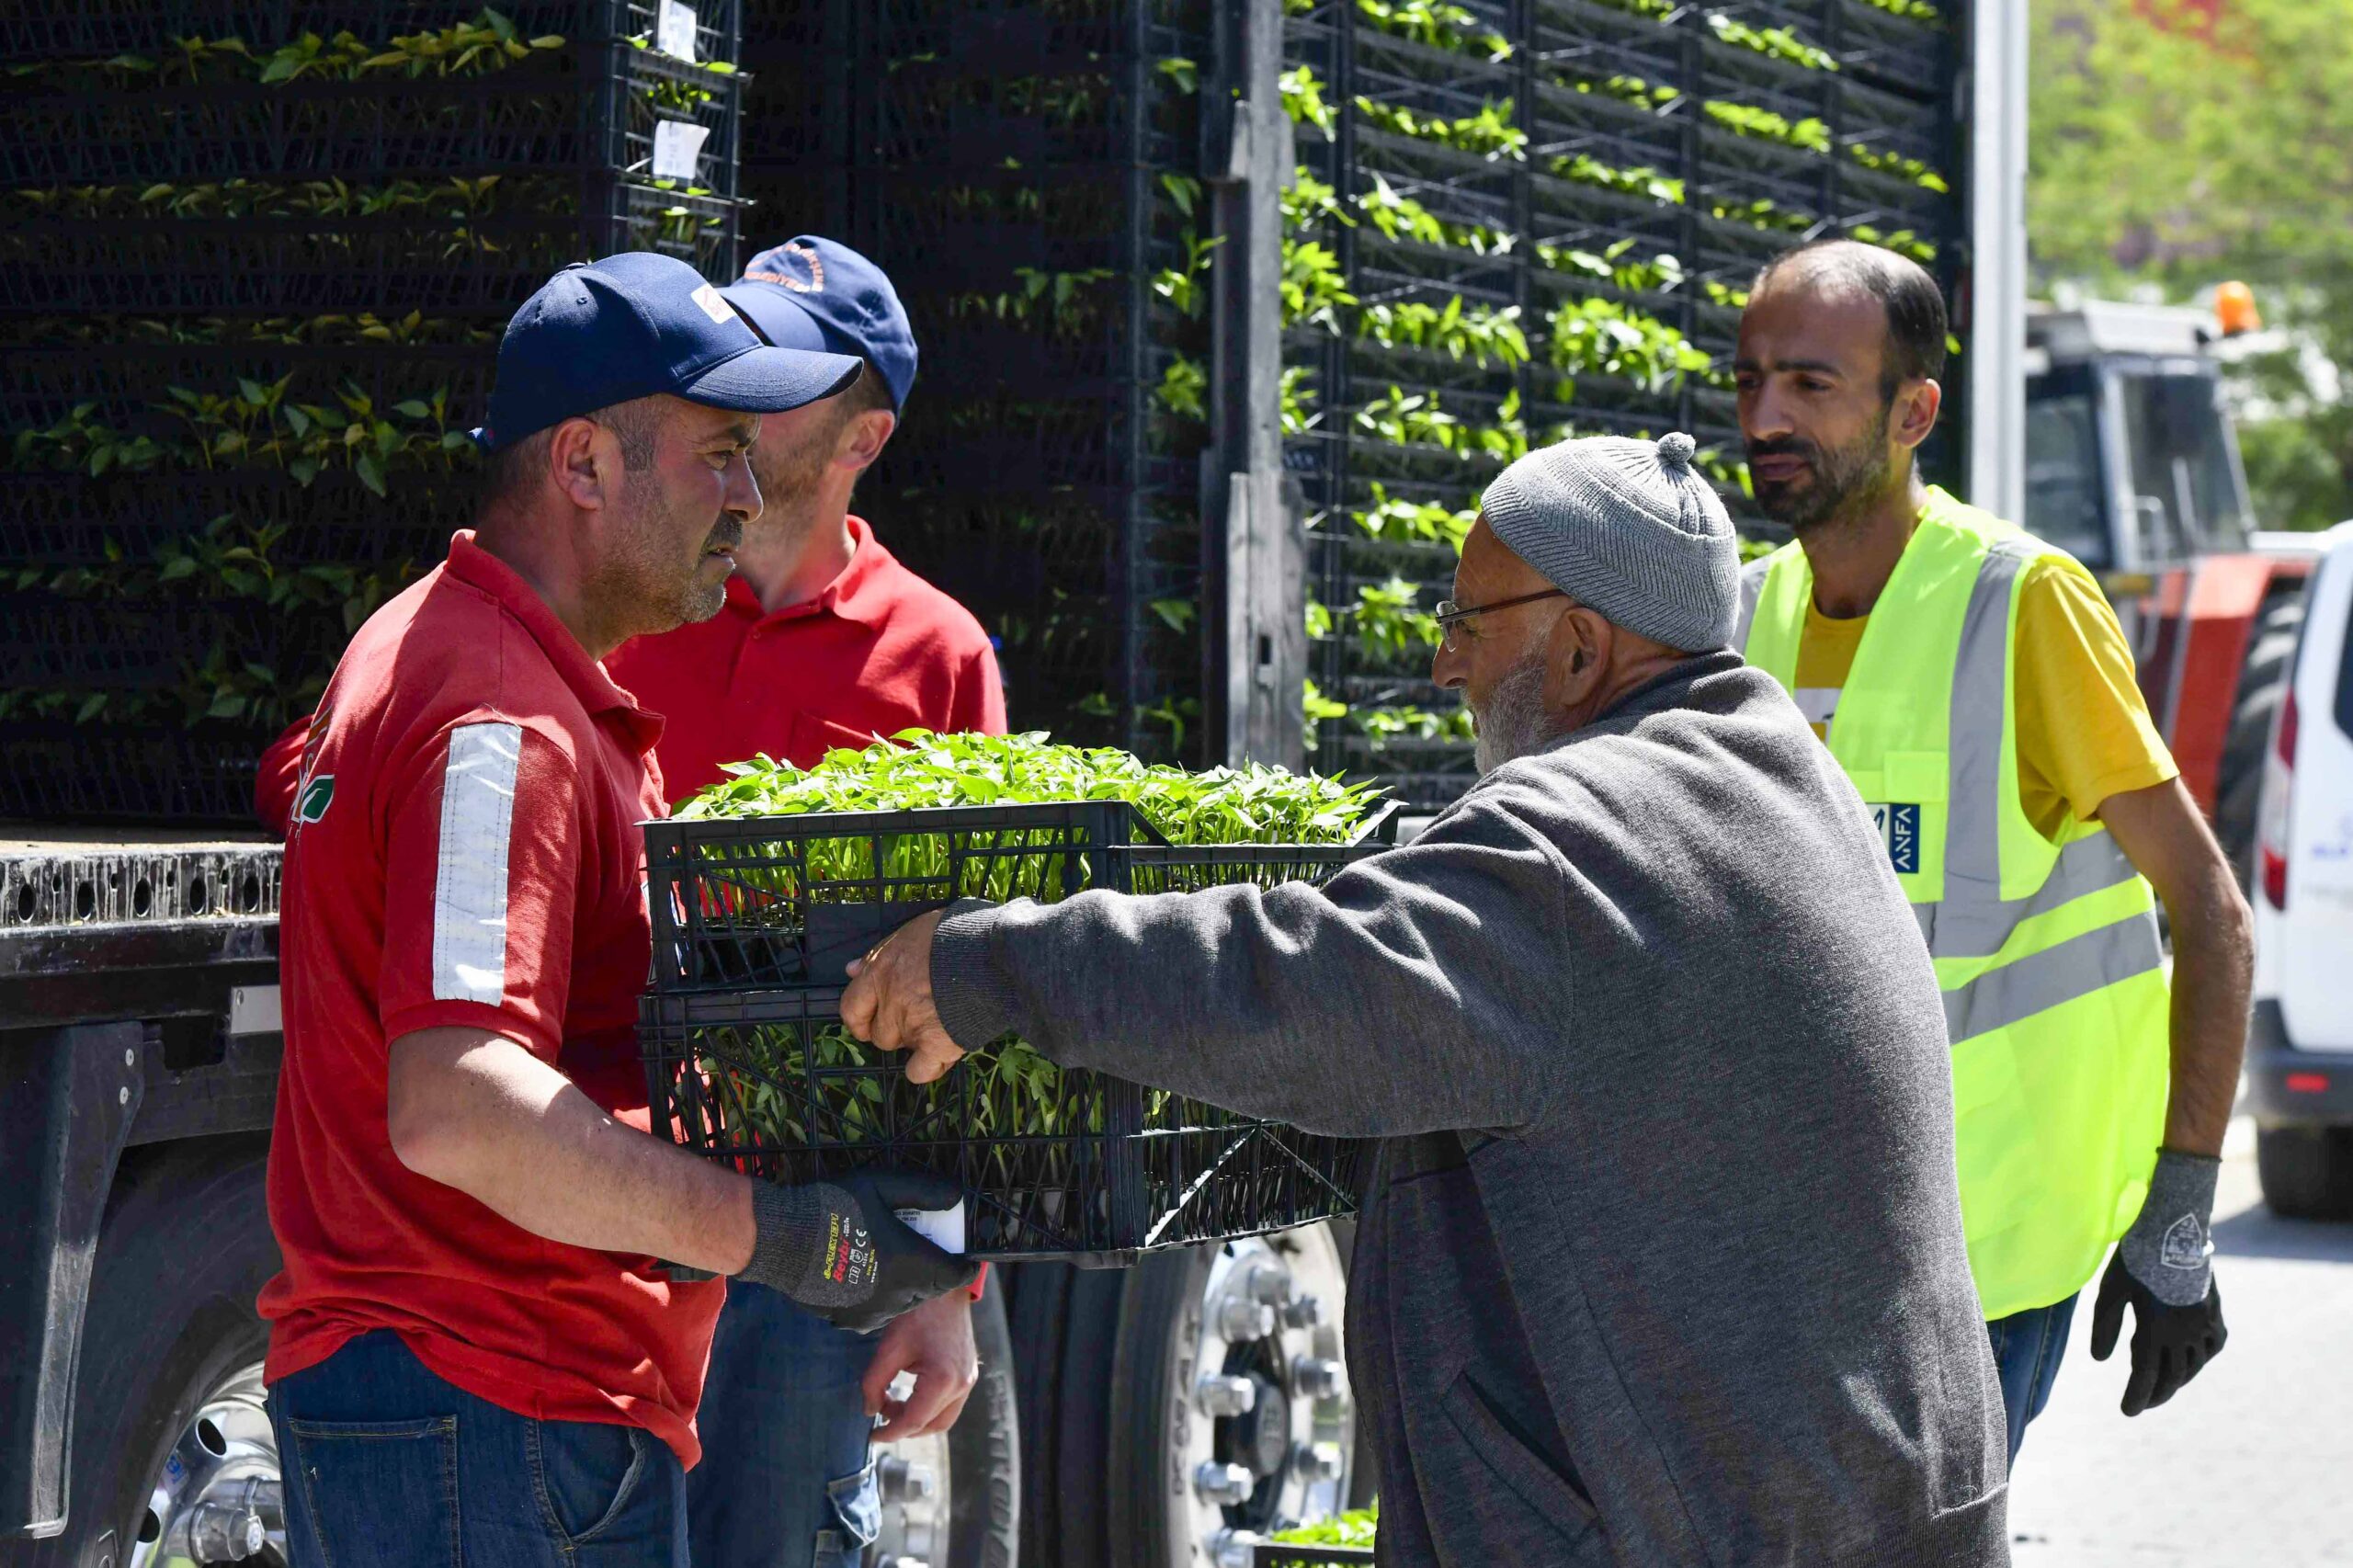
(878, 651)
(465, 851)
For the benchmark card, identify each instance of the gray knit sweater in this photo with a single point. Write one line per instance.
(1662, 1263)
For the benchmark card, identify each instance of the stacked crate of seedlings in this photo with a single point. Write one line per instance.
(1520, 220)
(256, 260)
(1024, 174)
(765, 887)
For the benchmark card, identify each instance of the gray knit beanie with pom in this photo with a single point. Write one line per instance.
(1629, 529)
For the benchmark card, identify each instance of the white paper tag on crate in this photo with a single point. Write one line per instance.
(677, 147)
(674, 32)
(944, 1228)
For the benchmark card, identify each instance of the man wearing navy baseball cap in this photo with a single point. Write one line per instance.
(475, 1353)
(825, 640)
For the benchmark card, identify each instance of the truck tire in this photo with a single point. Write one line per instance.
(170, 1341)
(968, 1514)
(1129, 1433)
(2306, 1172)
(2262, 687)
(1040, 1294)
(985, 1444)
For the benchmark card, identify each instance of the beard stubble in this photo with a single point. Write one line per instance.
(1842, 478)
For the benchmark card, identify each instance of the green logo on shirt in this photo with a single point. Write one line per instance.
(317, 796)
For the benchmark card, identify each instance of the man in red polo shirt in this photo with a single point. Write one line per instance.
(476, 1354)
(825, 641)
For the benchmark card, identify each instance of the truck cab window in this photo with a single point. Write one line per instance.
(2187, 494)
(2062, 475)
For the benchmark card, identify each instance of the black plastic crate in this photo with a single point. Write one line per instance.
(1279, 1554)
(61, 520)
(157, 645)
(1604, 161)
(98, 29)
(1125, 1170)
(754, 923)
(789, 901)
(285, 267)
(589, 115)
(127, 383)
(98, 773)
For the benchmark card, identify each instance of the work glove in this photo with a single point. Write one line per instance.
(2162, 1267)
(838, 1249)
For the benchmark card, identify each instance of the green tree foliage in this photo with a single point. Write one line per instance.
(2176, 145)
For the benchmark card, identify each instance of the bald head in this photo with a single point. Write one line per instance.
(1837, 270)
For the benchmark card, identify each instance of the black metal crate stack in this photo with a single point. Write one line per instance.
(1284, 1554)
(255, 258)
(753, 922)
(1524, 219)
(1027, 174)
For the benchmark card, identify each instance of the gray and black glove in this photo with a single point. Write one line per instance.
(2163, 1267)
(838, 1249)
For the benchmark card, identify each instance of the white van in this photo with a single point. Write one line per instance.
(2300, 1053)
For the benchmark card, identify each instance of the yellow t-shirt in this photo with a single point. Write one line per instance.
(2084, 729)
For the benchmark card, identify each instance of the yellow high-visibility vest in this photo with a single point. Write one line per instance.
(2048, 954)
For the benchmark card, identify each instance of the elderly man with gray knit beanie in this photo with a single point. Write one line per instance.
(1661, 1259)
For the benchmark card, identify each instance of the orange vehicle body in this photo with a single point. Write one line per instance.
(2197, 622)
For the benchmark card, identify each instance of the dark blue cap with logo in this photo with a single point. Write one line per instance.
(817, 293)
(634, 324)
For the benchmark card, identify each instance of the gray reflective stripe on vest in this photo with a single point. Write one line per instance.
(2075, 968)
(1981, 680)
(1970, 927)
(1973, 921)
(1752, 588)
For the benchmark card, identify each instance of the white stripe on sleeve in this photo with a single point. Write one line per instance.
(469, 885)
(1818, 703)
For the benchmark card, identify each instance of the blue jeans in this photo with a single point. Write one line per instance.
(786, 1480)
(387, 1466)
(2027, 1348)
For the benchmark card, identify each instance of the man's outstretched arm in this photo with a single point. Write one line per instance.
(477, 1111)
(1415, 991)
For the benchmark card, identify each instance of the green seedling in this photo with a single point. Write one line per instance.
(1489, 133)
(1008, 1090)
(1356, 1527)
(1781, 43)
(1437, 24)
(1479, 334)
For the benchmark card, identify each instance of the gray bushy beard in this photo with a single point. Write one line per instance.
(1514, 722)
(1843, 477)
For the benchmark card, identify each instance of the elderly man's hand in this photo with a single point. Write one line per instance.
(889, 1000)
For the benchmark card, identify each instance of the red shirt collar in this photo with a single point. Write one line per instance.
(471, 564)
(861, 593)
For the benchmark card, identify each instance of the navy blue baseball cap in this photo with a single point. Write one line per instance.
(634, 324)
(819, 294)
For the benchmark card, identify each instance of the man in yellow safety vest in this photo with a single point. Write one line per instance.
(1974, 684)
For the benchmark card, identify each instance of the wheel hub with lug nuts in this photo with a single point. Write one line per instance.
(912, 1478)
(1281, 1431)
(220, 1496)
